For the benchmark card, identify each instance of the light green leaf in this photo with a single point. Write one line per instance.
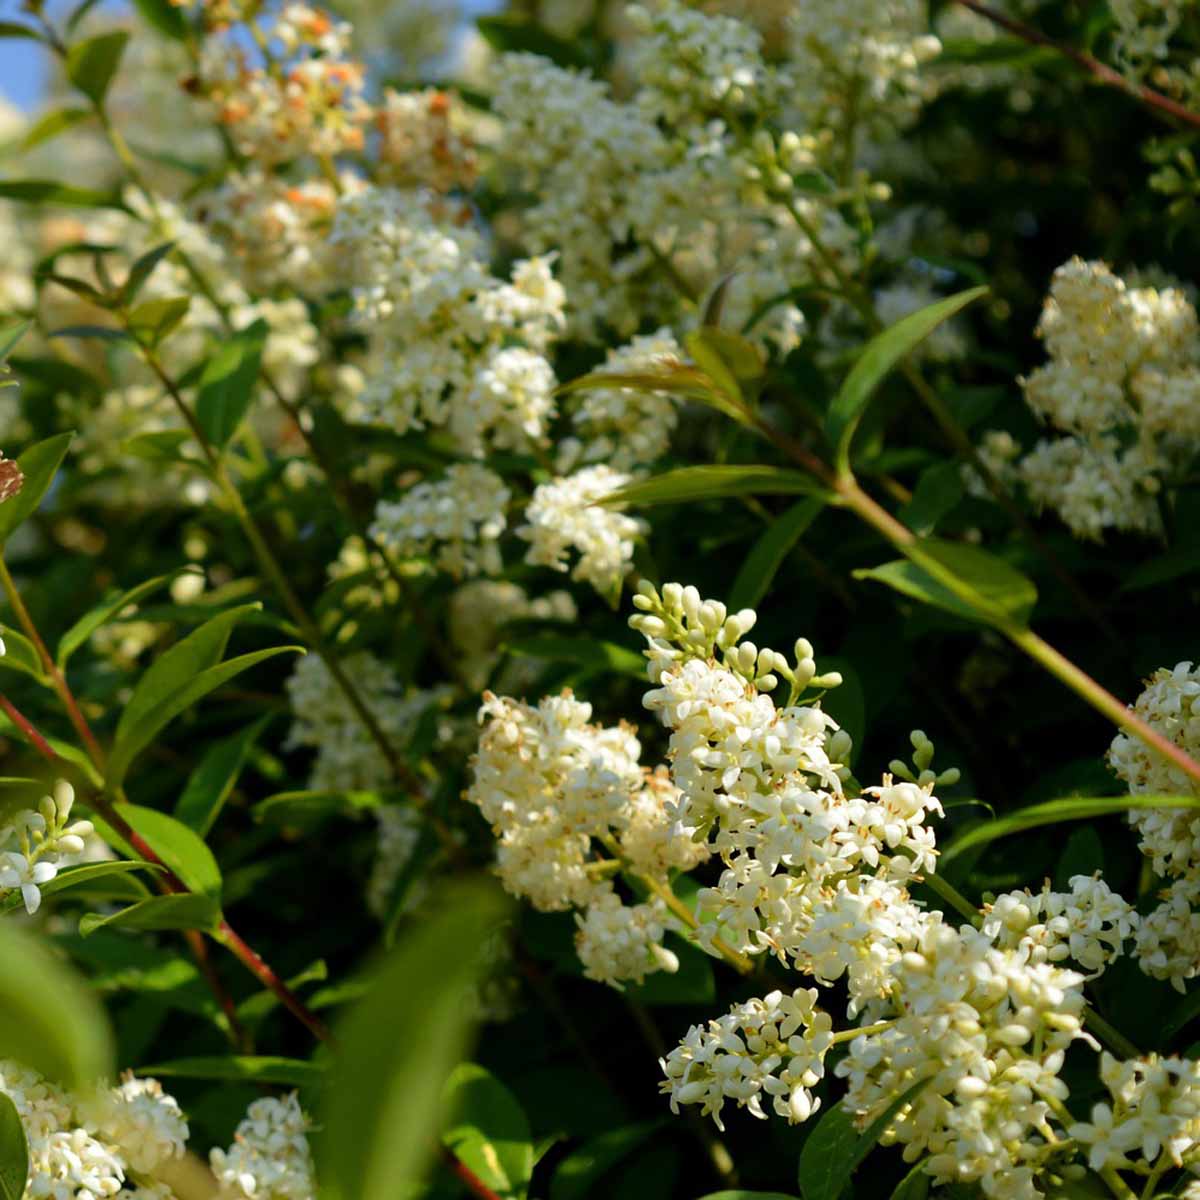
(382, 1114)
(159, 446)
(20, 654)
(92, 64)
(1054, 812)
(1002, 595)
(49, 1019)
(488, 1130)
(227, 385)
(159, 913)
(881, 355)
(181, 849)
(768, 553)
(835, 1148)
(587, 652)
(674, 379)
(105, 611)
(14, 1151)
(209, 785)
(10, 335)
(702, 483)
(38, 464)
(51, 124)
(155, 320)
(248, 1068)
(583, 1168)
(87, 877)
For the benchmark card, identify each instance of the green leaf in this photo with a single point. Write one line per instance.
(674, 379)
(702, 483)
(587, 652)
(88, 876)
(582, 1169)
(881, 355)
(20, 654)
(740, 1194)
(142, 269)
(155, 321)
(381, 1117)
(164, 16)
(180, 848)
(53, 123)
(50, 191)
(38, 464)
(209, 785)
(158, 914)
(227, 385)
(729, 361)
(105, 611)
(310, 808)
(10, 335)
(512, 32)
(693, 983)
(286, 1072)
(159, 446)
(488, 1131)
(14, 1151)
(938, 492)
(1053, 812)
(92, 64)
(49, 1019)
(11, 29)
(1003, 596)
(914, 1186)
(105, 332)
(1184, 560)
(835, 1148)
(768, 553)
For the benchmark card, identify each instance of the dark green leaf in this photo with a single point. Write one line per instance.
(702, 483)
(164, 16)
(14, 1151)
(938, 492)
(287, 1072)
(209, 785)
(835, 1148)
(768, 553)
(309, 808)
(227, 385)
(693, 983)
(38, 464)
(512, 32)
(1000, 594)
(180, 848)
(154, 321)
(92, 64)
(53, 123)
(914, 1186)
(1185, 560)
(158, 914)
(10, 29)
(50, 191)
(488, 1130)
(142, 270)
(582, 1169)
(49, 1019)
(382, 1113)
(104, 332)
(881, 355)
(739, 1194)
(587, 652)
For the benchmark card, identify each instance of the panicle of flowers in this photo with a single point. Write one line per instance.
(270, 1158)
(35, 843)
(568, 514)
(457, 520)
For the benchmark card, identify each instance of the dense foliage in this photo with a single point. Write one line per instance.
(409, 420)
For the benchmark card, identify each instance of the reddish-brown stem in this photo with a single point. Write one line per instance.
(34, 738)
(57, 679)
(467, 1177)
(1099, 71)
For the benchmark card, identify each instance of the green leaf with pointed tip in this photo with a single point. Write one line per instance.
(835, 1148)
(702, 483)
(158, 914)
(142, 270)
(51, 191)
(14, 1151)
(227, 385)
(309, 808)
(52, 124)
(673, 379)
(20, 654)
(596, 654)
(49, 1019)
(938, 493)
(38, 464)
(137, 736)
(883, 352)
(1001, 594)
(768, 553)
(250, 1068)
(381, 1115)
(155, 320)
(181, 849)
(92, 64)
(105, 611)
(488, 1130)
(11, 29)
(1054, 812)
(209, 785)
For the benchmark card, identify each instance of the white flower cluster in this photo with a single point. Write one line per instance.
(567, 514)
(1123, 388)
(562, 795)
(1145, 46)
(1089, 924)
(457, 520)
(36, 843)
(270, 1158)
(449, 344)
(424, 140)
(347, 758)
(88, 1147)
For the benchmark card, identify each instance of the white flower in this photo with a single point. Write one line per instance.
(270, 1157)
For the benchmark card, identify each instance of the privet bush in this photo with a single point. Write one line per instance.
(419, 433)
